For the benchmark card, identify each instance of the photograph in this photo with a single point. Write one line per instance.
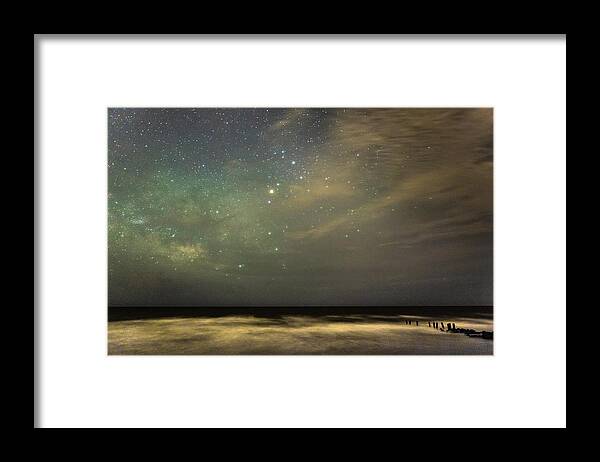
(300, 230)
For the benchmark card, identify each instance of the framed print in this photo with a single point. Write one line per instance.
(299, 232)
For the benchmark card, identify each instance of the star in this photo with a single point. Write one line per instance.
(187, 188)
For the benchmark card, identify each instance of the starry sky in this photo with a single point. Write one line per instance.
(292, 207)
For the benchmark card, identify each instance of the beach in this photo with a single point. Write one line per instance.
(291, 334)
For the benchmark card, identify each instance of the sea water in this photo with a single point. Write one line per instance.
(296, 335)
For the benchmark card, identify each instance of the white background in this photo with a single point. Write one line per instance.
(523, 384)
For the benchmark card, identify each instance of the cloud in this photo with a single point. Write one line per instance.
(386, 205)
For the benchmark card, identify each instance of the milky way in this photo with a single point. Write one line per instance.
(249, 207)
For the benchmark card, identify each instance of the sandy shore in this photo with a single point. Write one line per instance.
(295, 335)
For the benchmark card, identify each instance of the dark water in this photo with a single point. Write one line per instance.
(356, 334)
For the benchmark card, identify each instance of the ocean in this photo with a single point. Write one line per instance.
(298, 334)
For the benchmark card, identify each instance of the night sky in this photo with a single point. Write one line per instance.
(235, 207)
